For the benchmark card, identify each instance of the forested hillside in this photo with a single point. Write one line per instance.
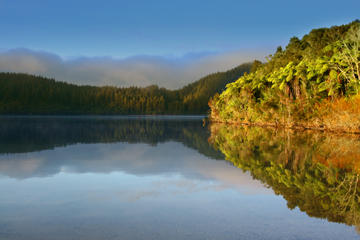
(312, 83)
(27, 94)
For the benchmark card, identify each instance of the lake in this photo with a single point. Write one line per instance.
(167, 177)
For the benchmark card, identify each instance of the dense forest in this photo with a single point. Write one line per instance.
(312, 83)
(27, 94)
(316, 172)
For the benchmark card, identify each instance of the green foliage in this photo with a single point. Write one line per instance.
(26, 94)
(286, 90)
(197, 95)
(256, 64)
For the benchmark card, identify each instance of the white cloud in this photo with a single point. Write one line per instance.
(169, 72)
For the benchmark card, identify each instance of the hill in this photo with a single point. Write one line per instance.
(196, 95)
(313, 83)
(28, 94)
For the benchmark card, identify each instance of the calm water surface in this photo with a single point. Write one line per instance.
(171, 178)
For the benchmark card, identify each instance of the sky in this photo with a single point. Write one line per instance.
(162, 42)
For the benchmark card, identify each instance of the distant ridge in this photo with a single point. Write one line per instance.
(29, 94)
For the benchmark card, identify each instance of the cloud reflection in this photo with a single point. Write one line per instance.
(170, 158)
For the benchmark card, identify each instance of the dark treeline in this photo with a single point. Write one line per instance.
(28, 94)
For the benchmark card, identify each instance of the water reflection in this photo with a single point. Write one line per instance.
(34, 146)
(316, 172)
(166, 178)
(46, 146)
(28, 134)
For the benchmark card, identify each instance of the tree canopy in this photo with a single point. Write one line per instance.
(28, 94)
(297, 86)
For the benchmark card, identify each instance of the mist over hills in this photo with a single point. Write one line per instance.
(29, 94)
(171, 72)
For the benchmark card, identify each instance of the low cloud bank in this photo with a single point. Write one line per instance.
(169, 72)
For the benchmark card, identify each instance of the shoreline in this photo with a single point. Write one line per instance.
(283, 126)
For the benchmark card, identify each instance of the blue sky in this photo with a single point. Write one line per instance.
(181, 31)
(162, 27)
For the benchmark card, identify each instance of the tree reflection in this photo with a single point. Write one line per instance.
(30, 134)
(316, 172)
